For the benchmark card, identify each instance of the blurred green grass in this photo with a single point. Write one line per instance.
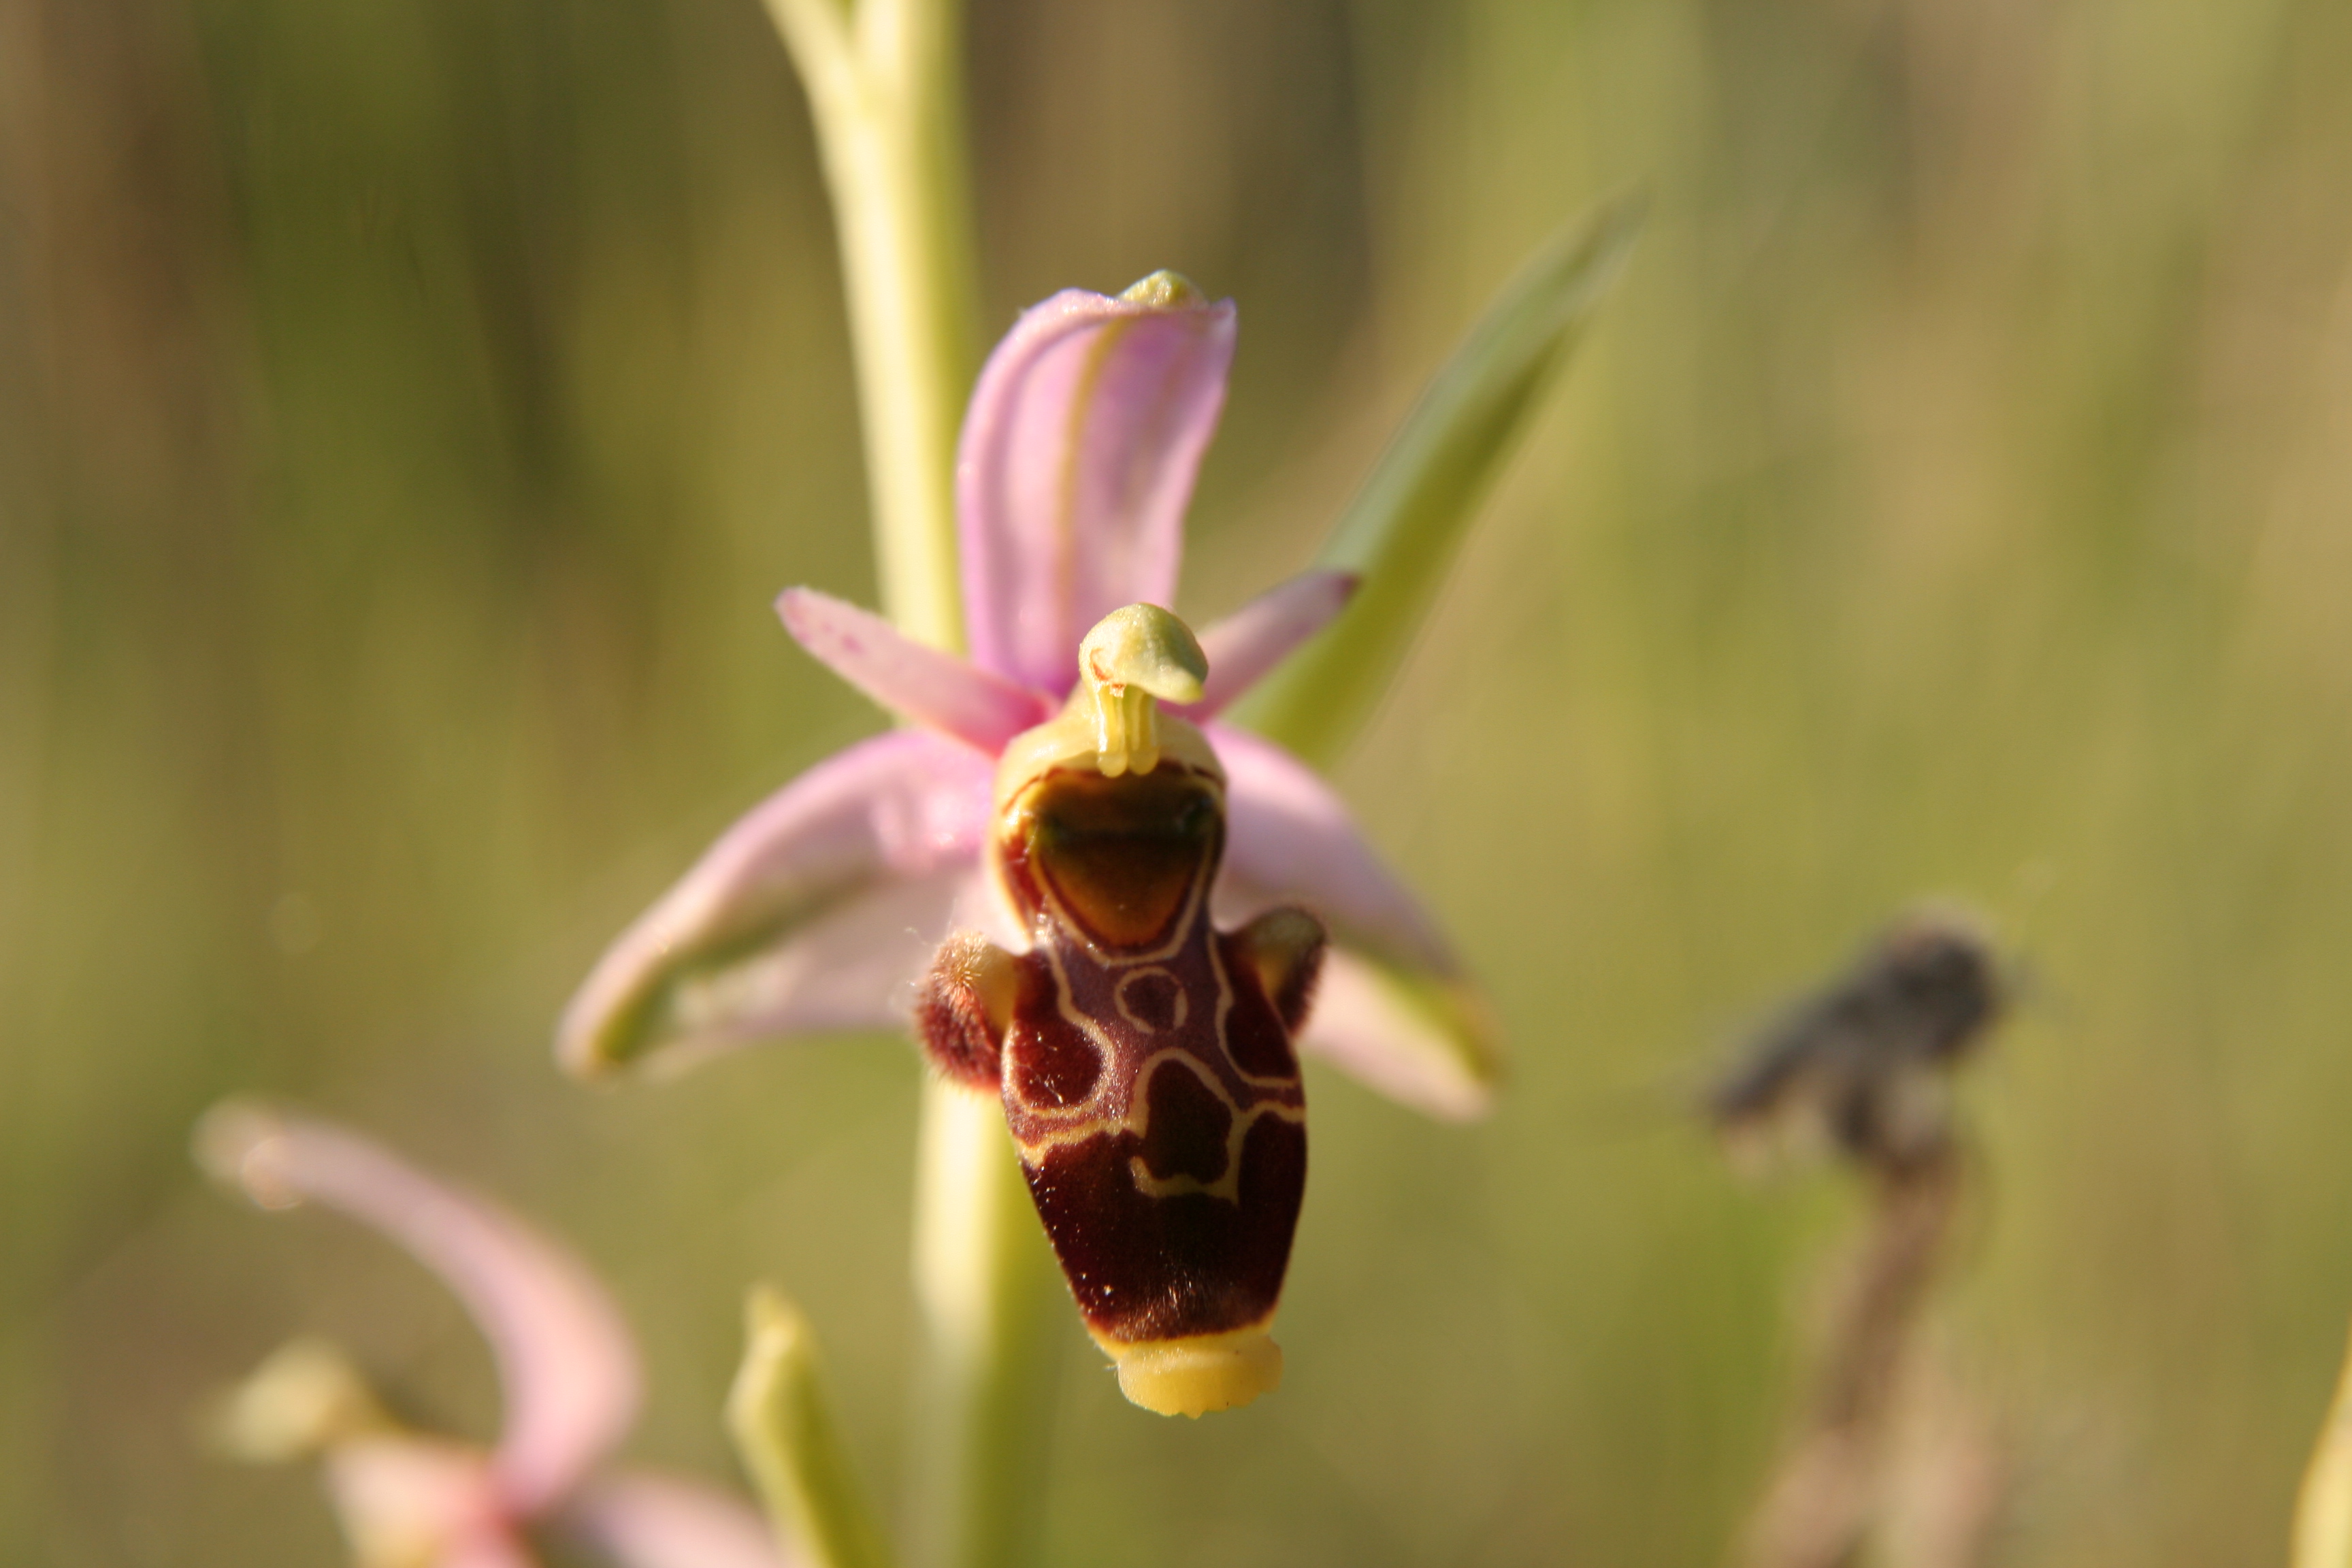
(406, 414)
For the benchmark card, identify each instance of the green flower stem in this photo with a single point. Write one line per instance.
(2323, 1513)
(782, 1427)
(885, 88)
(983, 1282)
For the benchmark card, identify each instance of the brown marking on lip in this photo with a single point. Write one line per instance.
(1145, 1268)
(1186, 1125)
(1052, 1064)
(1151, 999)
(1254, 1038)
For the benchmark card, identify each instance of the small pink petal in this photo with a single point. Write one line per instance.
(640, 1520)
(1424, 1043)
(1075, 466)
(403, 1499)
(1290, 839)
(949, 694)
(1243, 646)
(801, 914)
(565, 1364)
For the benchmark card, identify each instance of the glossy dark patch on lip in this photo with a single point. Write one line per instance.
(1119, 855)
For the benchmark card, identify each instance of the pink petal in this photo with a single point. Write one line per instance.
(641, 1520)
(804, 914)
(565, 1364)
(1245, 645)
(1075, 466)
(418, 1500)
(949, 694)
(1393, 1007)
(487, 1549)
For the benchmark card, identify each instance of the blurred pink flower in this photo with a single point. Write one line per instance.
(820, 909)
(566, 1367)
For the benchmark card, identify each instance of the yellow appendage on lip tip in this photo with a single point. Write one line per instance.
(1133, 659)
(1195, 1376)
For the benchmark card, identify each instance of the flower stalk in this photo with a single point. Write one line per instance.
(886, 92)
(2323, 1513)
(983, 1283)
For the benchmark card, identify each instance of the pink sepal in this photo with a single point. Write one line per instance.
(1245, 647)
(640, 1520)
(1425, 1044)
(1393, 1007)
(808, 913)
(1291, 839)
(1075, 467)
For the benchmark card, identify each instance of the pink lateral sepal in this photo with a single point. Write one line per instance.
(1246, 646)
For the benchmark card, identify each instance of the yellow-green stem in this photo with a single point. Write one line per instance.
(983, 1282)
(885, 87)
(2323, 1514)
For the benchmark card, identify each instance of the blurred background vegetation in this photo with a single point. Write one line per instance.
(408, 410)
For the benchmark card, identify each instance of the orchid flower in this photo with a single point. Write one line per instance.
(1271, 921)
(820, 910)
(567, 1370)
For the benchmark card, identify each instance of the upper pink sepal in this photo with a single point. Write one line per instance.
(812, 913)
(565, 1363)
(933, 689)
(1247, 645)
(1077, 463)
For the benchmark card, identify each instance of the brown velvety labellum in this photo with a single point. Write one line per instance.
(1148, 1078)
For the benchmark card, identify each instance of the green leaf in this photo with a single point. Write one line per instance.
(1401, 532)
(784, 1429)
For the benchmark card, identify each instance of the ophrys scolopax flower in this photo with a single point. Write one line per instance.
(821, 909)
